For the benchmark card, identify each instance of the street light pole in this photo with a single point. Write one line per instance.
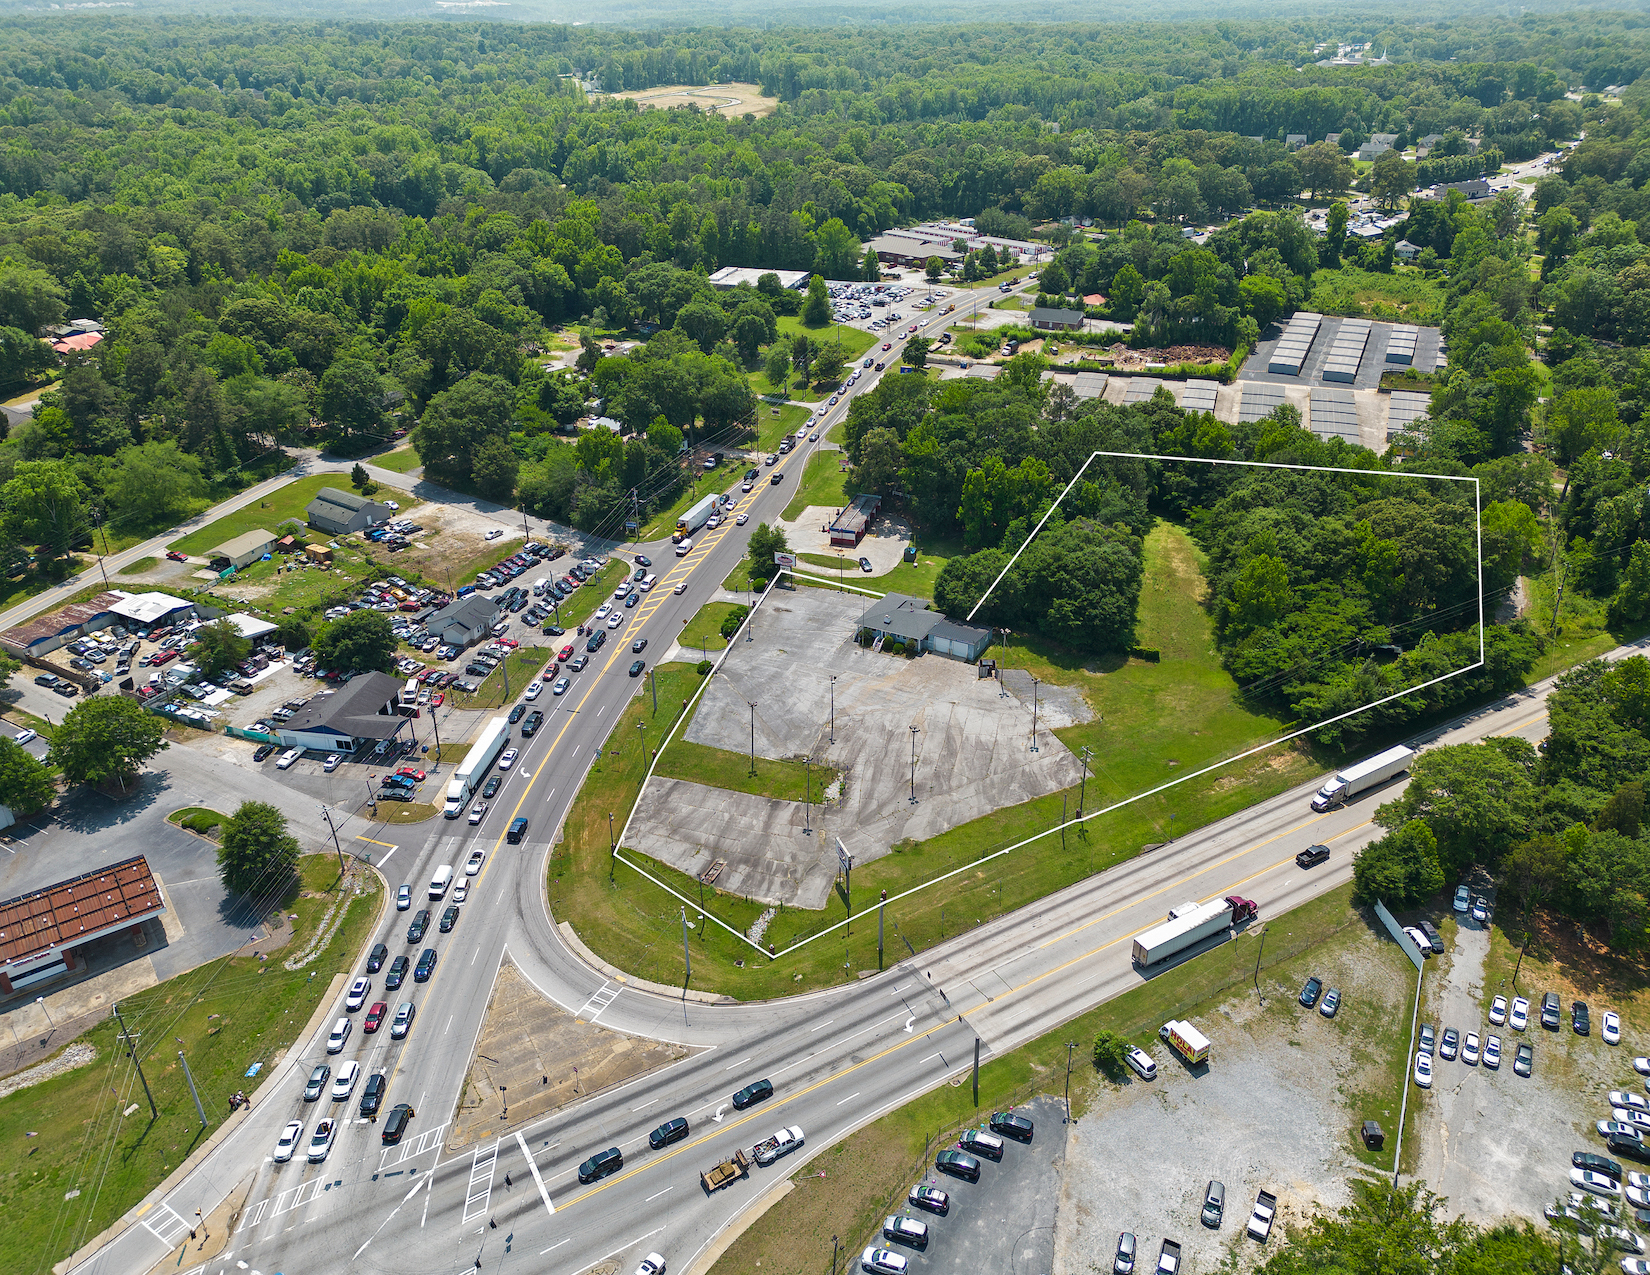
(753, 738)
(1082, 788)
(1070, 1045)
(833, 708)
(1034, 747)
(914, 765)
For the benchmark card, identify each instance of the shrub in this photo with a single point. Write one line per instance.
(704, 667)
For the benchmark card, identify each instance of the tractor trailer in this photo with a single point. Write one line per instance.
(1365, 775)
(696, 517)
(1190, 925)
(483, 753)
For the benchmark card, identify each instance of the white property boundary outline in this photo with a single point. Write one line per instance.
(686, 902)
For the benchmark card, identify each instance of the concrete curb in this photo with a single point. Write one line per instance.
(630, 980)
(276, 1073)
(712, 1253)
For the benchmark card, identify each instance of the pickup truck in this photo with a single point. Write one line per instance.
(1260, 1221)
(781, 1144)
(720, 1175)
(1168, 1258)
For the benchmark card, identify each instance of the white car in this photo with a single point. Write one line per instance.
(603, 610)
(1622, 1098)
(1597, 1183)
(879, 1261)
(472, 865)
(508, 760)
(1611, 1030)
(332, 762)
(1640, 1180)
(1635, 1266)
(1606, 1128)
(288, 1142)
(1639, 1120)
(357, 995)
(1498, 1010)
(344, 1082)
(23, 737)
(478, 812)
(320, 1143)
(681, 588)
(741, 520)
(1520, 1017)
(1423, 1070)
(389, 504)
(1480, 910)
(1492, 1052)
(461, 891)
(1469, 1049)
(1419, 939)
(652, 1264)
(615, 620)
(494, 534)
(340, 1033)
(1637, 1196)
(533, 691)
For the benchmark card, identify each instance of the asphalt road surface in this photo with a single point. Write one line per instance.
(837, 1059)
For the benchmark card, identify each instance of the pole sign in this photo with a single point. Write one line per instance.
(786, 560)
(843, 857)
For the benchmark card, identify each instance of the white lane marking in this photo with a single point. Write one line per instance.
(899, 989)
(908, 1023)
(537, 1180)
(826, 1023)
(449, 1026)
(481, 1182)
(652, 1198)
(740, 1063)
(600, 999)
(557, 1244)
(719, 1110)
(930, 1058)
(648, 1103)
(850, 1097)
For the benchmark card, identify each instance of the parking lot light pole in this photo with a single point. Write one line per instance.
(833, 708)
(1070, 1045)
(753, 737)
(914, 765)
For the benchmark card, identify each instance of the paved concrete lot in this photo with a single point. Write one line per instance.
(1004, 1222)
(1369, 371)
(972, 752)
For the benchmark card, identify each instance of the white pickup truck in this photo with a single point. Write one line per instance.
(1260, 1221)
(781, 1144)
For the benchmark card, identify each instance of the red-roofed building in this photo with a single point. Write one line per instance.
(40, 931)
(80, 341)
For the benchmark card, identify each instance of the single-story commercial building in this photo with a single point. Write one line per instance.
(340, 512)
(899, 618)
(911, 250)
(852, 523)
(1052, 320)
(360, 713)
(144, 611)
(43, 931)
(251, 627)
(46, 633)
(243, 550)
(733, 276)
(464, 622)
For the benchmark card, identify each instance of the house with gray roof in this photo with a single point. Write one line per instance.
(340, 512)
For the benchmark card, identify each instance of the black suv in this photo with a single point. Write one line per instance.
(1580, 1022)
(1012, 1124)
(958, 1164)
(397, 974)
(1309, 993)
(596, 640)
(1596, 1164)
(1549, 1011)
(1312, 856)
(674, 1131)
(516, 715)
(375, 958)
(425, 966)
(753, 1093)
(601, 1164)
(400, 1115)
(517, 830)
(420, 923)
(535, 719)
(372, 1097)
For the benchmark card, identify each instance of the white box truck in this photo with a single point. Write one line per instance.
(696, 517)
(1365, 775)
(483, 753)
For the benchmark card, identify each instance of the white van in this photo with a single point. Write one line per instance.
(441, 880)
(1141, 1063)
(684, 548)
(648, 582)
(287, 758)
(541, 587)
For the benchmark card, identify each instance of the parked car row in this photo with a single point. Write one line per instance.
(965, 1160)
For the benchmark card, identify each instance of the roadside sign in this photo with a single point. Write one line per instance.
(786, 560)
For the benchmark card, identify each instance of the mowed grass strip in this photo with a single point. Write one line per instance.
(290, 501)
(866, 1176)
(1159, 720)
(704, 631)
(821, 484)
(68, 1133)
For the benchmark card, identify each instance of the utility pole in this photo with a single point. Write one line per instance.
(1070, 1045)
(136, 1062)
(1082, 789)
(327, 815)
(1034, 684)
(753, 738)
(98, 514)
(833, 708)
(976, 1071)
(687, 959)
(435, 724)
(807, 793)
(1062, 821)
(881, 904)
(199, 1110)
(642, 728)
(914, 731)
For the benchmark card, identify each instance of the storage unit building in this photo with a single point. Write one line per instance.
(1334, 414)
(1400, 344)
(1295, 344)
(1347, 351)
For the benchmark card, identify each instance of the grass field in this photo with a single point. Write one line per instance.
(141, 567)
(229, 1014)
(1405, 295)
(913, 578)
(520, 670)
(290, 501)
(719, 768)
(865, 1177)
(1157, 718)
(821, 484)
(771, 428)
(1582, 630)
(701, 484)
(703, 632)
(855, 341)
(401, 461)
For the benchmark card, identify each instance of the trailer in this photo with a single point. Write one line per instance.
(1186, 1040)
(1365, 775)
(697, 516)
(483, 753)
(1186, 929)
(1260, 1221)
(718, 1176)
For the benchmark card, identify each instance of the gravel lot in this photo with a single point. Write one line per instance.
(1268, 1111)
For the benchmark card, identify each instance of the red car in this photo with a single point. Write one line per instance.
(566, 653)
(375, 1016)
(163, 657)
(887, 345)
(412, 771)
(437, 699)
(175, 556)
(509, 642)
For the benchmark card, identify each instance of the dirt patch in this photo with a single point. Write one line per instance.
(450, 546)
(729, 100)
(1125, 359)
(540, 1058)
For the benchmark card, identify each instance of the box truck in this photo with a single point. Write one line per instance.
(473, 769)
(1190, 927)
(697, 516)
(1185, 1040)
(1365, 775)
